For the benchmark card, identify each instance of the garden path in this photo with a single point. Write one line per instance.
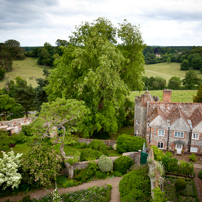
(197, 180)
(115, 196)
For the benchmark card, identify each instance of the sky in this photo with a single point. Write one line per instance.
(162, 22)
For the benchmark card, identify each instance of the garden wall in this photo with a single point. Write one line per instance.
(87, 141)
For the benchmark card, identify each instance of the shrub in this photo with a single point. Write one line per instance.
(20, 138)
(9, 165)
(117, 173)
(122, 164)
(98, 145)
(135, 185)
(42, 164)
(158, 153)
(27, 130)
(200, 174)
(90, 154)
(83, 175)
(173, 165)
(105, 164)
(100, 175)
(186, 168)
(180, 185)
(159, 196)
(192, 157)
(128, 143)
(169, 154)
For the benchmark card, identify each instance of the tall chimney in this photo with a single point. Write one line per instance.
(167, 95)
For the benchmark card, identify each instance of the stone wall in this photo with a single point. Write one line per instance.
(14, 125)
(87, 141)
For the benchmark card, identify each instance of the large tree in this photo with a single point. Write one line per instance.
(198, 98)
(66, 114)
(191, 80)
(95, 70)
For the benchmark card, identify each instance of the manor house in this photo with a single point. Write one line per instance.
(169, 125)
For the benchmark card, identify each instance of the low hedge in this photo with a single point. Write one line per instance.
(90, 154)
(98, 145)
(128, 143)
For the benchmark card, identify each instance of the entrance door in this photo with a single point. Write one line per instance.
(179, 148)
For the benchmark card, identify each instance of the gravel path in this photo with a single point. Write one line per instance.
(115, 196)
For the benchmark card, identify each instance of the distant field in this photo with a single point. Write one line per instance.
(27, 69)
(177, 95)
(166, 70)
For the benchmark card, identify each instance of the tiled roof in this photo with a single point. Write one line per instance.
(196, 117)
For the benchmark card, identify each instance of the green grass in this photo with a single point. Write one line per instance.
(177, 95)
(124, 130)
(166, 70)
(27, 69)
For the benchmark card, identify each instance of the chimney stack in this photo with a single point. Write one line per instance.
(167, 95)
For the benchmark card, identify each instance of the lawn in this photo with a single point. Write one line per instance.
(27, 69)
(166, 70)
(189, 194)
(177, 95)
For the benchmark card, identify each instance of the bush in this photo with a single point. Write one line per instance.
(180, 185)
(105, 164)
(117, 173)
(20, 138)
(128, 143)
(42, 164)
(83, 175)
(100, 175)
(192, 157)
(98, 145)
(169, 154)
(135, 185)
(122, 164)
(90, 154)
(27, 130)
(159, 196)
(200, 174)
(158, 153)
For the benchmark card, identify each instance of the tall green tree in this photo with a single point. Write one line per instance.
(96, 71)
(198, 97)
(174, 83)
(191, 80)
(24, 95)
(66, 114)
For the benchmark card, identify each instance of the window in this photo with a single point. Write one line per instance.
(195, 136)
(160, 145)
(194, 149)
(179, 134)
(136, 132)
(161, 132)
(137, 122)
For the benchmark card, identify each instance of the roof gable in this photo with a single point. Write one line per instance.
(180, 125)
(158, 122)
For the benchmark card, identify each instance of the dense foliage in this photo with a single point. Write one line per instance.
(128, 143)
(105, 164)
(98, 145)
(122, 164)
(192, 157)
(200, 174)
(95, 70)
(41, 165)
(180, 185)
(135, 185)
(198, 97)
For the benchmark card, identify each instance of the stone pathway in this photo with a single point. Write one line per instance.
(115, 196)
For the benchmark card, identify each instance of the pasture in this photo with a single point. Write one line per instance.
(27, 69)
(177, 95)
(166, 70)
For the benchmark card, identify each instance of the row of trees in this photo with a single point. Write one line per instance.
(191, 81)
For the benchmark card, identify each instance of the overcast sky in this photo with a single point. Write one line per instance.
(162, 22)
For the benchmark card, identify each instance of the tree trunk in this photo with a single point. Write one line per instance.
(69, 167)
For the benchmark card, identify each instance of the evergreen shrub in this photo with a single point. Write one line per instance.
(99, 174)
(117, 173)
(192, 157)
(98, 145)
(122, 164)
(200, 174)
(105, 164)
(128, 143)
(90, 154)
(158, 153)
(136, 185)
(180, 185)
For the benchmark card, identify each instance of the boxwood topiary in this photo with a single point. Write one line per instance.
(122, 164)
(200, 174)
(105, 164)
(90, 154)
(128, 143)
(180, 185)
(98, 145)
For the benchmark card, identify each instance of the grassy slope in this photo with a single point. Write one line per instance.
(166, 70)
(27, 69)
(177, 95)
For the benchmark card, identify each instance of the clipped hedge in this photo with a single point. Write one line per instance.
(128, 143)
(122, 164)
(90, 154)
(98, 145)
(135, 185)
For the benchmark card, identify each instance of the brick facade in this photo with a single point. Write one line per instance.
(170, 125)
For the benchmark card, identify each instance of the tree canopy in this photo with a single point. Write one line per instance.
(99, 72)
